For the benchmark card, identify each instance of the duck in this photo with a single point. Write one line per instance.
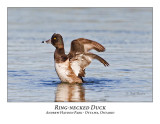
(71, 67)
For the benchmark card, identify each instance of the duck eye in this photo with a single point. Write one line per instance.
(55, 38)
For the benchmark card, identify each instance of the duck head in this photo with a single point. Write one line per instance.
(56, 40)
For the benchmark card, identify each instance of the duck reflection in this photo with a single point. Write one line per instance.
(70, 93)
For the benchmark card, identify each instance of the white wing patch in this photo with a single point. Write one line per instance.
(87, 47)
(80, 62)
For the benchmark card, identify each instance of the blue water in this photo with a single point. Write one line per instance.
(126, 34)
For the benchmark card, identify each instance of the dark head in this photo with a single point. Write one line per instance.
(56, 40)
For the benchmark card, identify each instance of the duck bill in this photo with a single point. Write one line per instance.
(47, 41)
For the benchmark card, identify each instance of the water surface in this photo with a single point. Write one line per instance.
(126, 34)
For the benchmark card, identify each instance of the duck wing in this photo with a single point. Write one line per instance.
(79, 56)
(84, 45)
(81, 61)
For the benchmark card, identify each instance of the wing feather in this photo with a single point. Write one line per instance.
(84, 45)
(79, 56)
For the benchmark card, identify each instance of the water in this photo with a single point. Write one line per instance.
(126, 34)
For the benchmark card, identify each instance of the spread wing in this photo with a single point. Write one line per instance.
(84, 45)
(79, 56)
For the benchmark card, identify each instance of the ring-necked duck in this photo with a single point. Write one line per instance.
(71, 68)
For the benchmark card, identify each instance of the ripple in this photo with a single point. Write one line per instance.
(99, 81)
(116, 31)
(124, 69)
(48, 83)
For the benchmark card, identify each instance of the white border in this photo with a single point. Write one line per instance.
(126, 113)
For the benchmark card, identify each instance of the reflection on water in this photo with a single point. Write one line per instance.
(70, 93)
(126, 34)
